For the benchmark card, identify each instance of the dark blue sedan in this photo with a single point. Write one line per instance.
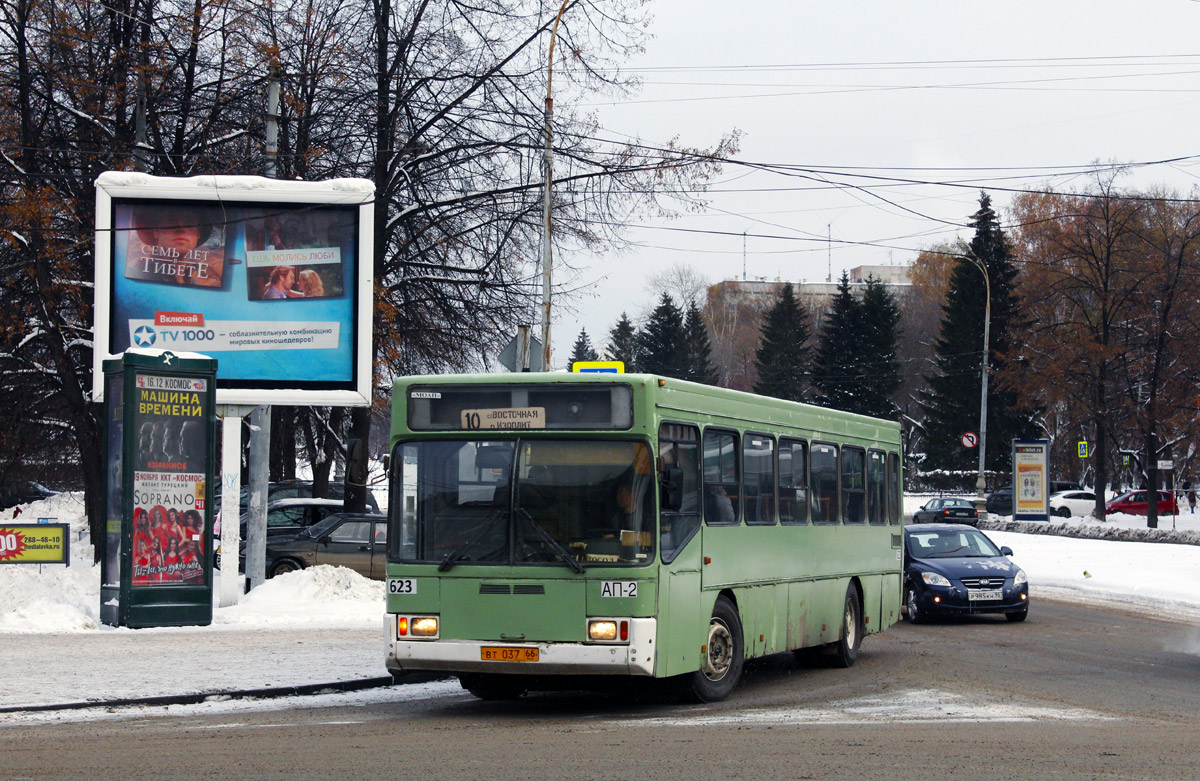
(951, 569)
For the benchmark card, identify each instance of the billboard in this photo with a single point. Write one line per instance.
(1031, 479)
(272, 278)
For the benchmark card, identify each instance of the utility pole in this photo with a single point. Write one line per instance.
(260, 418)
(548, 174)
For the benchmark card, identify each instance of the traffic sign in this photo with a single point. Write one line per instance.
(598, 367)
(969, 440)
(1085, 448)
(1166, 464)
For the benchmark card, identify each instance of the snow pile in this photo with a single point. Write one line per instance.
(51, 598)
(323, 596)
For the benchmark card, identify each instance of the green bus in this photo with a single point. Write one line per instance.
(548, 526)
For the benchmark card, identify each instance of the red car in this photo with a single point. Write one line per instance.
(1138, 503)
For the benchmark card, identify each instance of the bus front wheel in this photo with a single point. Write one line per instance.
(724, 654)
(845, 650)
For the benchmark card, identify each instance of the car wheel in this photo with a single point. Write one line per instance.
(284, 565)
(723, 659)
(1062, 512)
(845, 650)
(493, 687)
(1016, 617)
(911, 607)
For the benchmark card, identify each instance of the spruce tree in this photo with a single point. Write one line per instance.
(879, 321)
(661, 342)
(623, 344)
(783, 355)
(582, 349)
(697, 348)
(951, 405)
(836, 375)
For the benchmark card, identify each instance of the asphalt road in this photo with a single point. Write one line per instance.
(1074, 692)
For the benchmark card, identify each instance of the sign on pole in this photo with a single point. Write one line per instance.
(43, 543)
(1084, 447)
(1166, 465)
(969, 439)
(598, 367)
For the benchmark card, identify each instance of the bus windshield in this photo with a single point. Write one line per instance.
(526, 502)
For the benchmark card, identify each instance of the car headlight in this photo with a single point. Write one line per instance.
(934, 579)
(1020, 578)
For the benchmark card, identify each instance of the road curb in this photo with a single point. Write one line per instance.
(192, 699)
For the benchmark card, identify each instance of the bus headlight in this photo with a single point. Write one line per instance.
(608, 630)
(416, 626)
(603, 630)
(425, 626)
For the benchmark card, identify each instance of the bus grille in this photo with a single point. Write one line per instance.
(504, 588)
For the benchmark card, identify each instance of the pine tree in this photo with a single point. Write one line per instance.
(879, 320)
(836, 375)
(951, 404)
(582, 350)
(783, 355)
(623, 344)
(697, 348)
(661, 342)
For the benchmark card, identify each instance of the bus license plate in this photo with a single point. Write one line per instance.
(497, 654)
(993, 594)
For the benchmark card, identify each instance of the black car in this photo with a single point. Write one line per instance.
(948, 510)
(23, 492)
(293, 489)
(954, 569)
(1000, 502)
(358, 542)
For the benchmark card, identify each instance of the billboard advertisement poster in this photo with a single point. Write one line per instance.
(1031, 482)
(169, 492)
(43, 543)
(271, 278)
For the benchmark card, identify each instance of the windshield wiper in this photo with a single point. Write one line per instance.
(554, 544)
(456, 555)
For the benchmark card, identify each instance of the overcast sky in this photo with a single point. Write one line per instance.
(999, 95)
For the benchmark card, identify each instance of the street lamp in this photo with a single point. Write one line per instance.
(548, 173)
(983, 371)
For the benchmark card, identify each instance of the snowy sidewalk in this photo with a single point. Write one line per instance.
(108, 665)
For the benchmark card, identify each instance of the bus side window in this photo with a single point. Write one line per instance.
(876, 487)
(893, 488)
(758, 478)
(679, 446)
(854, 498)
(823, 472)
(721, 487)
(793, 481)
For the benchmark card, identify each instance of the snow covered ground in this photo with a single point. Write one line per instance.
(325, 624)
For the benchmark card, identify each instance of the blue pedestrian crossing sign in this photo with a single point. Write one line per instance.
(598, 367)
(1085, 448)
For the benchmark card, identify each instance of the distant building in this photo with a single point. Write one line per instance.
(761, 292)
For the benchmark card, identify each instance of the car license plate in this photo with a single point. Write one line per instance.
(980, 595)
(497, 654)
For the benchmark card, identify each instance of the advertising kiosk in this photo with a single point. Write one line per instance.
(160, 437)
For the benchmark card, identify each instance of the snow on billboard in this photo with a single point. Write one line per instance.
(271, 278)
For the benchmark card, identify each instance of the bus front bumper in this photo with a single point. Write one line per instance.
(467, 656)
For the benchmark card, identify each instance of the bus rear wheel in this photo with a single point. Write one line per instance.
(723, 659)
(493, 687)
(845, 650)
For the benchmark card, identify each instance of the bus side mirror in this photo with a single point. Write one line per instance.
(387, 463)
(672, 488)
